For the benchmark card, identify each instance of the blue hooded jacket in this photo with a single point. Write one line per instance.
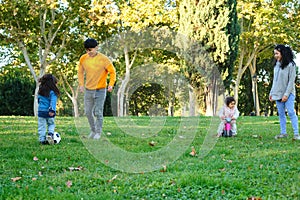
(47, 104)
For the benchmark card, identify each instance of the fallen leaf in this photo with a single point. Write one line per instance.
(261, 166)
(16, 178)
(222, 170)
(113, 178)
(35, 158)
(75, 168)
(164, 168)
(34, 179)
(193, 152)
(254, 198)
(173, 182)
(152, 143)
(69, 183)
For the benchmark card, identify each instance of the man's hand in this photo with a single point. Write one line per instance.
(110, 88)
(81, 89)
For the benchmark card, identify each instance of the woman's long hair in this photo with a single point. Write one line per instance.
(287, 55)
(47, 83)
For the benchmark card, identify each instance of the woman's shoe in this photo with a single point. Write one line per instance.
(281, 136)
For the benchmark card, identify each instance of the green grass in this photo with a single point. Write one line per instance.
(253, 164)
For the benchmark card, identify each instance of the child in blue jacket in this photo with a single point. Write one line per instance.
(47, 98)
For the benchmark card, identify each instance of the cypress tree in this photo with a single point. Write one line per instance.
(214, 25)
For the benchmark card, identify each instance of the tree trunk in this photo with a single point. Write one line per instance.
(75, 107)
(191, 101)
(241, 70)
(255, 97)
(35, 101)
(121, 94)
(252, 68)
(124, 82)
(212, 95)
(171, 108)
(28, 62)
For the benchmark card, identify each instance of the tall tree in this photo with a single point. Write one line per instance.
(123, 17)
(40, 30)
(213, 25)
(264, 24)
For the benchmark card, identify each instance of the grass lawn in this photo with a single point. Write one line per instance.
(140, 159)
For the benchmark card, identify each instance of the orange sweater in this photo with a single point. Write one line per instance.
(95, 70)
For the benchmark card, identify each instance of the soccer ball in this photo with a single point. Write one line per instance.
(56, 137)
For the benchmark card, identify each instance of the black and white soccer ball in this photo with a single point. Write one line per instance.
(56, 138)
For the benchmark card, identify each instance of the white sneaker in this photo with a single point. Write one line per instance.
(92, 135)
(296, 137)
(281, 136)
(49, 139)
(97, 136)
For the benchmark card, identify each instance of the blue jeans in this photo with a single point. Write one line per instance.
(94, 105)
(42, 127)
(289, 106)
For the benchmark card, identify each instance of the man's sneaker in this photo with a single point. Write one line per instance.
(281, 136)
(296, 137)
(92, 135)
(97, 136)
(49, 138)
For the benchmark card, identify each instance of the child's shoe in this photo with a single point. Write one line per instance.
(44, 142)
(49, 138)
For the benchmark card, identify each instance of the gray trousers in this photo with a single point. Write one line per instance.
(94, 105)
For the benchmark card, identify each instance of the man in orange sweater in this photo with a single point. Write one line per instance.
(94, 68)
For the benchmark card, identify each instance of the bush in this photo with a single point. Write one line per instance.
(16, 91)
